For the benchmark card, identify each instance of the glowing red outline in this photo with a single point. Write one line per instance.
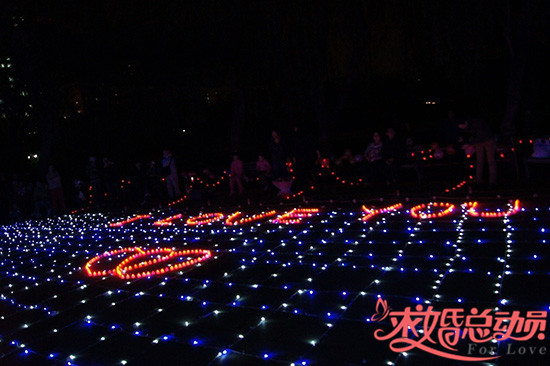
(373, 212)
(491, 214)
(295, 216)
(230, 219)
(124, 266)
(423, 216)
(167, 221)
(127, 221)
(88, 265)
(122, 269)
(203, 219)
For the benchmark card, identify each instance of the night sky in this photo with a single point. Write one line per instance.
(124, 78)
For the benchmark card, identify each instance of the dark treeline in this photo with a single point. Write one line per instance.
(124, 79)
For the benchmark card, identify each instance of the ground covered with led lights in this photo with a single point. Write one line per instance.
(179, 287)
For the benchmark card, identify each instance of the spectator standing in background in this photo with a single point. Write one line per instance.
(278, 153)
(237, 175)
(391, 152)
(263, 169)
(41, 199)
(373, 158)
(484, 143)
(449, 132)
(172, 181)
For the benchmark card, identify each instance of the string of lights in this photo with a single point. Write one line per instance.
(318, 275)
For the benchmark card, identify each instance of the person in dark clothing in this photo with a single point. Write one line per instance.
(483, 139)
(237, 175)
(449, 133)
(263, 170)
(391, 153)
(41, 199)
(172, 178)
(209, 183)
(278, 153)
(56, 190)
(373, 158)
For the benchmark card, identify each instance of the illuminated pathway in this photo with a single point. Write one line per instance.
(282, 285)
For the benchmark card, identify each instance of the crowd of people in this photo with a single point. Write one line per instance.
(38, 198)
(288, 164)
(457, 138)
(295, 162)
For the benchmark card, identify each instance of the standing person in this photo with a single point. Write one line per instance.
(56, 189)
(449, 132)
(237, 175)
(278, 153)
(391, 152)
(374, 149)
(373, 158)
(263, 169)
(40, 198)
(484, 143)
(171, 174)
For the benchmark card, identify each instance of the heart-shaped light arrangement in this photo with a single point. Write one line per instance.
(135, 265)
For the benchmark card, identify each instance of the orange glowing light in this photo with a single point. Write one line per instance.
(417, 211)
(232, 219)
(369, 213)
(295, 216)
(164, 254)
(203, 219)
(472, 211)
(124, 222)
(88, 267)
(167, 221)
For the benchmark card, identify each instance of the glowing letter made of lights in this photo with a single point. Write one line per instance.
(417, 211)
(233, 218)
(472, 211)
(124, 222)
(167, 221)
(295, 216)
(203, 219)
(369, 213)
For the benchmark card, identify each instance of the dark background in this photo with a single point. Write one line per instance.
(123, 78)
